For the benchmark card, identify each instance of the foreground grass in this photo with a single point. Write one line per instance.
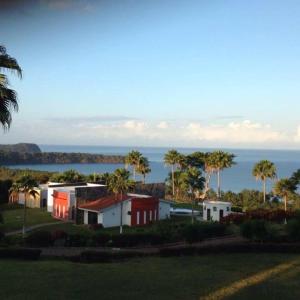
(13, 217)
(155, 278)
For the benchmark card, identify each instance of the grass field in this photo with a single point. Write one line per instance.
(244, 276)
(13, 217)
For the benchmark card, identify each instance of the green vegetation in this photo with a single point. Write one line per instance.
(156, 278)
(8, 97)
(264, 170)
(13, 217)
(17, 158)
(21, 147)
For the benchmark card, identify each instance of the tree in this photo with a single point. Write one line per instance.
(195, 183)
(69, 176)
(143, 167)
(133, 159)
(8, 97)
(173, 159)
(264, 170)
(218, 161)
(26, 185)
(284, 188)
(119, 184)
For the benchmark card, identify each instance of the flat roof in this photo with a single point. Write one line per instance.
(216, 202)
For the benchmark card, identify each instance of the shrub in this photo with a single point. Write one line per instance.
(177, 251)
(293, 230)
(1, 218)
(101, 239)
(39, 239)
(20, 253)
(2, 235)
(59, 235)
(237, 209)
(95, 226)
(77, 240)
(136, 239)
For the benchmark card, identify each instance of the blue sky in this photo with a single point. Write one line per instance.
(160, 73)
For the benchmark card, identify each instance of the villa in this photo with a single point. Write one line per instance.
(134, 209)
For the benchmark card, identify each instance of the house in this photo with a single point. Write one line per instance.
(135, 210)
(66, 198)
(215, 210)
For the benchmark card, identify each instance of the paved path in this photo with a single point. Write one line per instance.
(30, 228)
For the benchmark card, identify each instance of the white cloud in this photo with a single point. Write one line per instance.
(125, 131)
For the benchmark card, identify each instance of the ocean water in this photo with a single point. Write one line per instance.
(235, 179)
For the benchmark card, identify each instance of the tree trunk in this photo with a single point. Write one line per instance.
(134, 173)
(285, 203)
(192, 210)
(219, 185)
(173, 183)
(24, 216)
(264, 190)
(121, 215)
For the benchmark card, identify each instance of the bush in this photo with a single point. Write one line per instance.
(293, 230)
(136, 239)
(237, 209)
(1, 218)
(199, 231)
(95, 226)
(101, 239)
(20, 253)
(39, 239)
(59, 235)
(77, 240)
(2, 235)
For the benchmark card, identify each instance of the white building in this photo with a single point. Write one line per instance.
(215, 210)
(137, 210)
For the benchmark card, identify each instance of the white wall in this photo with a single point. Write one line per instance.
(50, 199)
(85, 217)
(215, 210)
(164, 210)
(111, 216)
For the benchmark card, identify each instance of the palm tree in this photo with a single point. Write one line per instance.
(220, 160)
(132, 159)
(143, 167)
(283, 188)
(173, 159)
(196, 183)
(26, 185)
(8, 97)
(119, 184)
(262, 171)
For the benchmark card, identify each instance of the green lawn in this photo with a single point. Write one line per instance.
(13, 217)
(154, 278)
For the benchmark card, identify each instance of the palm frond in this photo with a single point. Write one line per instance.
(10, 63)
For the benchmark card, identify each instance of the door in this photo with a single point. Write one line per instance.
(92, 217)
(208, 214)
(221, 214)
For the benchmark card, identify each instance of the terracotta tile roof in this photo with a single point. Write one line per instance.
(102, 203)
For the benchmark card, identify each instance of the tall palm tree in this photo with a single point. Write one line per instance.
(143, 167)
(283, 188)
(8, 97)
(220, 160)
(173, 159)
(119, 184)
(132, 159)
(196, 183)
(264, 170)
(26, 185)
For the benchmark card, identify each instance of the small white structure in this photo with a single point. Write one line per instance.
(215, 210)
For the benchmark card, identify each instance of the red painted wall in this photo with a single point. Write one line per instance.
(60, 205)
(144, 205)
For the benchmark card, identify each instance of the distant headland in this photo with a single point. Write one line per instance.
(28, 153)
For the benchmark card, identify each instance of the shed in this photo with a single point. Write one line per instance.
(215, 210)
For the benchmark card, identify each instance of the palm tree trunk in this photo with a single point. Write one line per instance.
(192, 210)
(24, 216)
(285, 203)
(173, 183)
(134, 173)
(121, 215)
(264, 190)
(219, 184)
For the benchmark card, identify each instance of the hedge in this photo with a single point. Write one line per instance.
(20, 253)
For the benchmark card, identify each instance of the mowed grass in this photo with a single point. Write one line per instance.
(13, 217)
(154, 278)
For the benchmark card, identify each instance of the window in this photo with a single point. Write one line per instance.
(137, 218)
(214, 208)
(227, 208)
(204, 207)
(145, 217)
(59, 210)
(155, 215)
(150, 215)
(63, 211)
